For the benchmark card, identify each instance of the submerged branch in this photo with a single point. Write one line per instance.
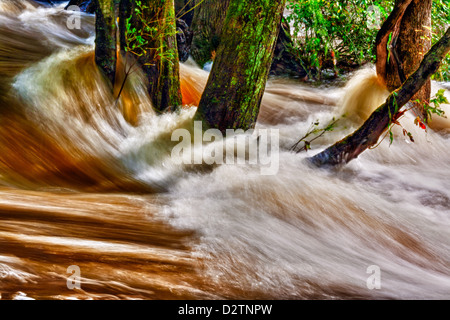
(312, 130)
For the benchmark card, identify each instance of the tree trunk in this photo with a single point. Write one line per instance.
(154, 46)
(207, 25)
(413, 42)
(125, 9)
(410, 25)
(106, 37)
(390, 28)
(232, 96)
(368, 134)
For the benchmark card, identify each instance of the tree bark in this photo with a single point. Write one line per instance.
(368, 134)
(125, 9)
(389, 27)
(207, 25)
(106, 37)
(158, 54)
(410, 24)
(232, 96)
(413, 42)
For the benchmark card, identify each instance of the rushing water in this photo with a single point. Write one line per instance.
(88, 181)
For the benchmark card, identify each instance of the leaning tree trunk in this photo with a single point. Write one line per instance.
(411, 39)
(154, 45)
(232, 96)
(368, 134)
(106, 37)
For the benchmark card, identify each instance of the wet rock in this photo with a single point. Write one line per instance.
(85, 5)
(285, 61)
(184, 40)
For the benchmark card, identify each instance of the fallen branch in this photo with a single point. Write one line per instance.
(368, 134)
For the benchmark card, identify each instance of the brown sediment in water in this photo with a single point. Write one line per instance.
(122, 251)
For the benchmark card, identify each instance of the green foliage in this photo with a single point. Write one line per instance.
(391, 120)
(142, 28)
(347, 29)
(315, 131)
(441, 20)
(434, 107)
(136, 42)
(444, 72)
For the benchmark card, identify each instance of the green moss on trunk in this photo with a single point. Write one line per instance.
(156, 50)
(106, 39)
(233, 94)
